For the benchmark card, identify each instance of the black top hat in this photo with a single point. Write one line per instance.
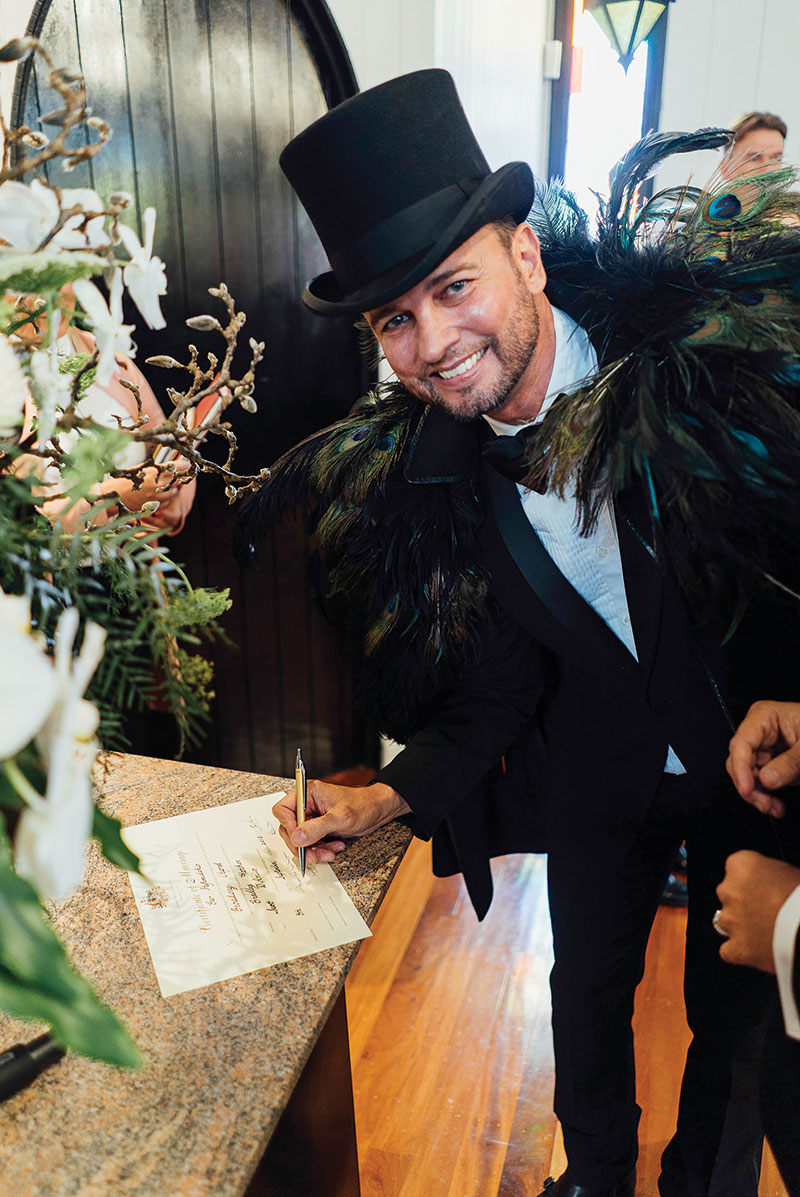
(394, 180)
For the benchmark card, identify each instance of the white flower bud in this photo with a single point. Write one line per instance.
(17, 50)
(203, 323)
(164, 360)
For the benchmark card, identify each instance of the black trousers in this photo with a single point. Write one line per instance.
(780, 1099)
(605, 883)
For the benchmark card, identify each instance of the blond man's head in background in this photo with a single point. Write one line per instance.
(757, 145)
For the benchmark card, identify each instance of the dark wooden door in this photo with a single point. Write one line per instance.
(202, 96)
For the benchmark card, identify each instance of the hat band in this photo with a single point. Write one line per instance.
(399, 237)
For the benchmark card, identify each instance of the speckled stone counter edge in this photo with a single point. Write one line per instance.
(221, 1061)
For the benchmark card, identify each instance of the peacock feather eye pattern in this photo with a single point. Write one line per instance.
(723, 208)
(692, 300)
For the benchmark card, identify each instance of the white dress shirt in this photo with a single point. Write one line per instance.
(591, 564)
(784, 940)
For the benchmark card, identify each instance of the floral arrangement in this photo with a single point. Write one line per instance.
(95, 617)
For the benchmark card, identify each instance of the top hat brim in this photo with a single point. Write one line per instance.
(508, 191)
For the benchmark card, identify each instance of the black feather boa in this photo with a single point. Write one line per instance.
(395, 563)
(692, 300)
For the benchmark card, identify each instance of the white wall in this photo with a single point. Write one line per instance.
(497, 65)
(386, 38)
(725, 58)
(496, 62)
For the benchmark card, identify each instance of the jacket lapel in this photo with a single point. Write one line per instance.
(442, 449)
(644, 576)
(583, 634)
(526, 578)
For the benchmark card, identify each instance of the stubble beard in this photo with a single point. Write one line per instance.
(513, 352)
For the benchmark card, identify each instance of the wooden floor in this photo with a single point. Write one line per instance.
(450, 1040)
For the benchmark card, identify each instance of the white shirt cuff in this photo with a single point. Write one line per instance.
(784, 940)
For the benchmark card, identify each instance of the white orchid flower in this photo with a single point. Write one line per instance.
(29, 212)
(73, 236)
(50, 842)
(15, 613)
(13, 390)
(112, 335)
(145, 276)
(51, 389)
(28, 682)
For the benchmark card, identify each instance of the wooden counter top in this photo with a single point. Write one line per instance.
(222, 1061)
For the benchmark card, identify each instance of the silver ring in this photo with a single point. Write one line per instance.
(716, 926)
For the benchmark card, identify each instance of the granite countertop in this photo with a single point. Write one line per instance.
(221, 1062)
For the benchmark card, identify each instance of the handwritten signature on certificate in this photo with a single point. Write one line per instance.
(222, 895)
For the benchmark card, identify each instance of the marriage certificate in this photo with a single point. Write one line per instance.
(222, 895)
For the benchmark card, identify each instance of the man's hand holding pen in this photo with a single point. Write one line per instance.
(334, 814)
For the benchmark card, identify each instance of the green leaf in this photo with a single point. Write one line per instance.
(82, 1024)
(47, 271)
(30, 762)
(9, 798)
(38, 982)
(106, 830)
(89, 458)
(6, 857)
(25, 939)
(75, 363)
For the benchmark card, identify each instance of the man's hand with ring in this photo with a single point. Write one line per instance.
(716, 926)
(751, 893)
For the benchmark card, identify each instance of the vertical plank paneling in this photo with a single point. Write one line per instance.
(41, 99)
(203, 95)
(154, 141)
(197, 198)
(270, 124)
(103, 62)
(229, 56)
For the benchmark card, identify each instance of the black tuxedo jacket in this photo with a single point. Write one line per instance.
(559, 725)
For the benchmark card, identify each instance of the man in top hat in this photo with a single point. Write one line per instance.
(547, 683)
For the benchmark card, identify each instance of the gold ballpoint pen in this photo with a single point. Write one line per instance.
(300, 790)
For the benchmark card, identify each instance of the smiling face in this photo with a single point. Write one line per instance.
(760, 149)
(475, 336)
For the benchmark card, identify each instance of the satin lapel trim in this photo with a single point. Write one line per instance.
(548, 583)
(644, 581)
(442, 449)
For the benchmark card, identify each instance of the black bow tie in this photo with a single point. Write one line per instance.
(509, 454)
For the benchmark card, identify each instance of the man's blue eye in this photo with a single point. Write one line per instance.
(394, 322)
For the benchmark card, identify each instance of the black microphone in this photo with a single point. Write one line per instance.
(21, 1064)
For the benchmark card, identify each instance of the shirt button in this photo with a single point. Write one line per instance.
(602, 552)
(626, 619)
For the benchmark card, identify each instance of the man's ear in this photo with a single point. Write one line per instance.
(527, 255)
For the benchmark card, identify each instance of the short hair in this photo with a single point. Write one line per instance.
(504, 227)
(757, 120)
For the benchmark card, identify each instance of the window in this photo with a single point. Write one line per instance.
(598, 111)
